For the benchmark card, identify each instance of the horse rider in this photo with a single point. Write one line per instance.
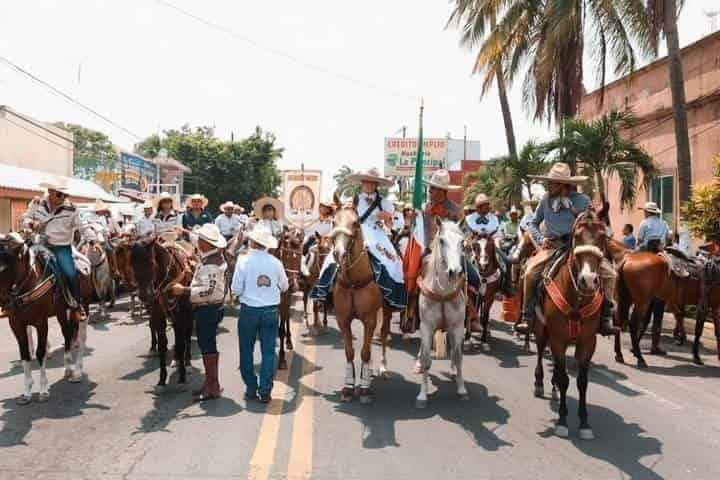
(270, 213)
(529, 215)
(145, 224)
(207, 292)
(259, 280)
(227, 222)
(167, 221)
(322, 227)
(109, 229)
(242, 216)
(57, 220)
(653, 236)
(195, 214)
(557, 212)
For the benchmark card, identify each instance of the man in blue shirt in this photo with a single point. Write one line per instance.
(196, 215)
(558, 210)
(629, 239)
(654, 232)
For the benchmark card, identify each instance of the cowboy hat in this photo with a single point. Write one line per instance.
(408, 206)
(514, 209)
(441, 179)
(100, 206)
(481, 199)
(210, 233)
(262, 235)
(651, 207)
(371, 175)
(147, 205)
(197, 196)
(239, 208)
(534, 200)
(560, 173)
(163, 197)
(261, 203)
(227, 204)
(57, 184)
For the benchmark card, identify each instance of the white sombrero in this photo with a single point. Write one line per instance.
(371, 175)
(57, 184)
(210, 233)
(101, 206)
(197, 196)
(560, 173)
(227, 205)
(262, 235)
(239, 208)
(651, 207)
(514, 209)
(441, 179)
(147, 205)
(481, 199)
(261, 203)
(161, 198)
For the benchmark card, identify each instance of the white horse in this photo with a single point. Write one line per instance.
(442, 303)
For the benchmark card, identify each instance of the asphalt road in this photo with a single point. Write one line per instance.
(663, 422)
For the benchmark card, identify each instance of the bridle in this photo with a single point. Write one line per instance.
(17, 297)
(349, 263)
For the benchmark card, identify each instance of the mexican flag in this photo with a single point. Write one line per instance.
(416, 246)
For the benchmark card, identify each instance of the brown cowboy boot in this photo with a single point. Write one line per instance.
(213, 389)
(606, 327)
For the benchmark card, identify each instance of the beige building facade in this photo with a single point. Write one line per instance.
(647, 94)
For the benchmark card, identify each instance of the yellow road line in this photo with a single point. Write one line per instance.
(263, 457)
(301, 446)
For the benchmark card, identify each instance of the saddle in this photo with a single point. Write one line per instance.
(53, 276)
(681, 265)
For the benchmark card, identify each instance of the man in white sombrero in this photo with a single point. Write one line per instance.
(270, 213)
(557, 212)
(654, 233)
(106, 229)
(57, 220)
(144, 225)
(228, 223)
(375, 215)
(195, 213)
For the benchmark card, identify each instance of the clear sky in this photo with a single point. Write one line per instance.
(330, 78)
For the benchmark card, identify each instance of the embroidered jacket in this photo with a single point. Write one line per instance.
(58, 225)
(208, 283)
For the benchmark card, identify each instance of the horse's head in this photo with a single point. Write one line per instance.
(589, 244)
(484, 249)
(448, 247)
(144, 265)
(13, 255)
(122, 254)
(293, 238)
(345, 233)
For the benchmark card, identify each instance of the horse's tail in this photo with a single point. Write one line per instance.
(623, 296)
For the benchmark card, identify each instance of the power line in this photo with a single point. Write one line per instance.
(70, 149)
(39, 125)
(287, 56)
(67, 97)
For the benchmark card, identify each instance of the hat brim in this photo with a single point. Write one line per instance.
(227, 205)
(192, 198)
(359, 178)
(577, 180)
(159, 200)
(261, 203)
(54, 186)
(651, 210)
(267, 242)
(447, 188)
(218, 243)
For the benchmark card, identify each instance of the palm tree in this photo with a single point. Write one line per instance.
(473, 18)
(344, 187)
(663, 16)
(547, 38)
(517, 171)
(598, 150)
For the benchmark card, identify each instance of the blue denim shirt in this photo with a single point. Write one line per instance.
(653, 228)
(558, 222)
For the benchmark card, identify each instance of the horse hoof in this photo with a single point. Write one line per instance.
(619, 359)
(586, 434)
(282, 365)
(366, 396)
(347, 394)
(463, 397)
(485, 347)
(23, 399)
(289, 346)
(43, 397)
(554, 396)
(641, 363)
(561, 431)
(420, 403)
(698, 361)
(539, 392)
(76, 378)
(68, 374)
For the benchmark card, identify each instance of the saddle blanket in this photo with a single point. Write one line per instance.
(82, 263)
(380, 246)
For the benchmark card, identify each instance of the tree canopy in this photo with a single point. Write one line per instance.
(239, 171)
(95, 157)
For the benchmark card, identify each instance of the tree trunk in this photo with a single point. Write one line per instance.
(507, 116)
(677, 86)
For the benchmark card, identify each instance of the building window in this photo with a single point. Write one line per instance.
(662, 192)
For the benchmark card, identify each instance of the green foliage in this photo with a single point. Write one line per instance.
(94, 152)
(240, 171)
(702, 212)
(598, 150)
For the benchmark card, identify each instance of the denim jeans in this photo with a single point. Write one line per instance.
(66, 263)
(207, 318)
(258, 323)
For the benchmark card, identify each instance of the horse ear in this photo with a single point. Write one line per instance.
(336, 200)
(438, 221)
(356, 200)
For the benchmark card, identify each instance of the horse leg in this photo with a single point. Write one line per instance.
(366, 395)
(699, 326)
(159, 324)
(561, 379)
(31, 341)
(485, 319)
(679, 333)
(716, 324)
(19, 329)
(349, 387)
(384, 332)
(585, 432)
(189, 326)
(41, 355)
(288, 334)
(635, 319)
(425, 359)
(456, 340)
(325, 321)
(179, 327)
(541, 343)
(81, 338)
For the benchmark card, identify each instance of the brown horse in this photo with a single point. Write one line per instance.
(483, 248)
(318, 253)
(233, 250)
(644, 276)
(29, 295)
(525, 249)
(290, 254)
(356, 295)
(156, 267)
(571, 311)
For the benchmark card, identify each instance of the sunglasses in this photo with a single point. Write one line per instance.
(59, 195)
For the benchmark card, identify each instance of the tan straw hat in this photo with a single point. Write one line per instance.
(227, 204)
(163, 197)
(197, 196)
(441, 179)
(262, 235)
(651, 207)
(56, 183)
(534, 200)
(261, 203)
(100, 206)
(211, 234)
(370, 175)
(560, 173)
(481, 199)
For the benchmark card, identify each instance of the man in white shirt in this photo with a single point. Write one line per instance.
(481, 221)
(228, 223)
(259, 281)
(240, 212)
(145, 225)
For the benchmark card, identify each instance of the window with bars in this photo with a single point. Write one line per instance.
(662, 192)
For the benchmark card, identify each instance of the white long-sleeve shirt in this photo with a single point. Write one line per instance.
(208, 283)
(145, 226)
(58, 225)
(259, 279)
(228, 226)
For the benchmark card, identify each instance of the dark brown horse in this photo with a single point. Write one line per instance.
(483, 248)
(526, 248)
(644, 276)
(571, 311)
(29, 295)
(356, 295)
(290, 254)
(318, 253)
(156, 267)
